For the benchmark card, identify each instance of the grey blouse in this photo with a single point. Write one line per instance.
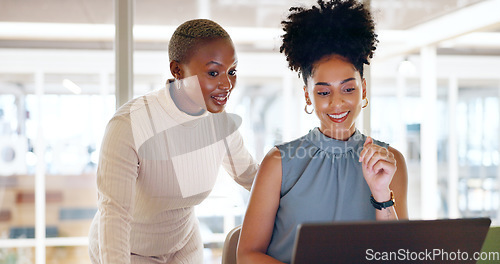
(322, 181)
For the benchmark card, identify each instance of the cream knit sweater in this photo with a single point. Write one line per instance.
(156, 163)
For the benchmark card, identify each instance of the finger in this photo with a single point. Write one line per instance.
(381, 155)
(367, 153)
(367, 143)
(386, 166)
(362, 154)
(370, 151)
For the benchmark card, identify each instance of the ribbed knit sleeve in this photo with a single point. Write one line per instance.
(116, 180)
(238, 162)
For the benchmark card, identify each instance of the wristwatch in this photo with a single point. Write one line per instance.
(383, 205)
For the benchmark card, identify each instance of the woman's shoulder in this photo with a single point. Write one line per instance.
(273, 157)
(137, 108)
(133, 118)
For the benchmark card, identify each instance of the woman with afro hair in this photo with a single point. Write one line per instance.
(333, 173)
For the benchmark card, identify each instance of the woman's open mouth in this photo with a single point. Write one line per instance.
(220, 99)
(339, 117)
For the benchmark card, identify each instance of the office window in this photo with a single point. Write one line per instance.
(65, 115)
(478, 155)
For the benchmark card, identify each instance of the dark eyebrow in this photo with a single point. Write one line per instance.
(347, 80)
(213, 62)
(342, 82)
(219, 64)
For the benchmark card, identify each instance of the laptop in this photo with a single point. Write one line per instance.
(404, 241)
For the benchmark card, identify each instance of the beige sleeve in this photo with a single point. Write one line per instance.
(238, 162)
(116, 180)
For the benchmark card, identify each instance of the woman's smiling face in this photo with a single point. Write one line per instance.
(336, 91)
(214, 64)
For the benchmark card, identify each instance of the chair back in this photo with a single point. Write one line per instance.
(230, 246)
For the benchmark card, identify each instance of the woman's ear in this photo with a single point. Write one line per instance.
(175, 69)
(306, 94)
(364, 88)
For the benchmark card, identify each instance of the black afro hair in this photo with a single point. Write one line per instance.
(335, 27)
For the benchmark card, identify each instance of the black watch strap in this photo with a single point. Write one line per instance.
(380, 206)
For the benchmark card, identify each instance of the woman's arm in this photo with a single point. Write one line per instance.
(259, 219)
(399, 184)
(238, 162)
(116, 179)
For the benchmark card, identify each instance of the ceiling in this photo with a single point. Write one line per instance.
(263, 15)
(390, 14)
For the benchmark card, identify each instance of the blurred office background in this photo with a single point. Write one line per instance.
(434, 91)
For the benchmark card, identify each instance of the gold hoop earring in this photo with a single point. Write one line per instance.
(308, 112)
(365, 104)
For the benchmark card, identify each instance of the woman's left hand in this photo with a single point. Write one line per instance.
(379, 166)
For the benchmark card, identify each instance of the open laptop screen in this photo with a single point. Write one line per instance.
(415, 241)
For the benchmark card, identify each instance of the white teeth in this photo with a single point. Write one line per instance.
(220, 98)
(338, 116)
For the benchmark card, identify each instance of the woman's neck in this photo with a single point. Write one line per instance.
(338, 134)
